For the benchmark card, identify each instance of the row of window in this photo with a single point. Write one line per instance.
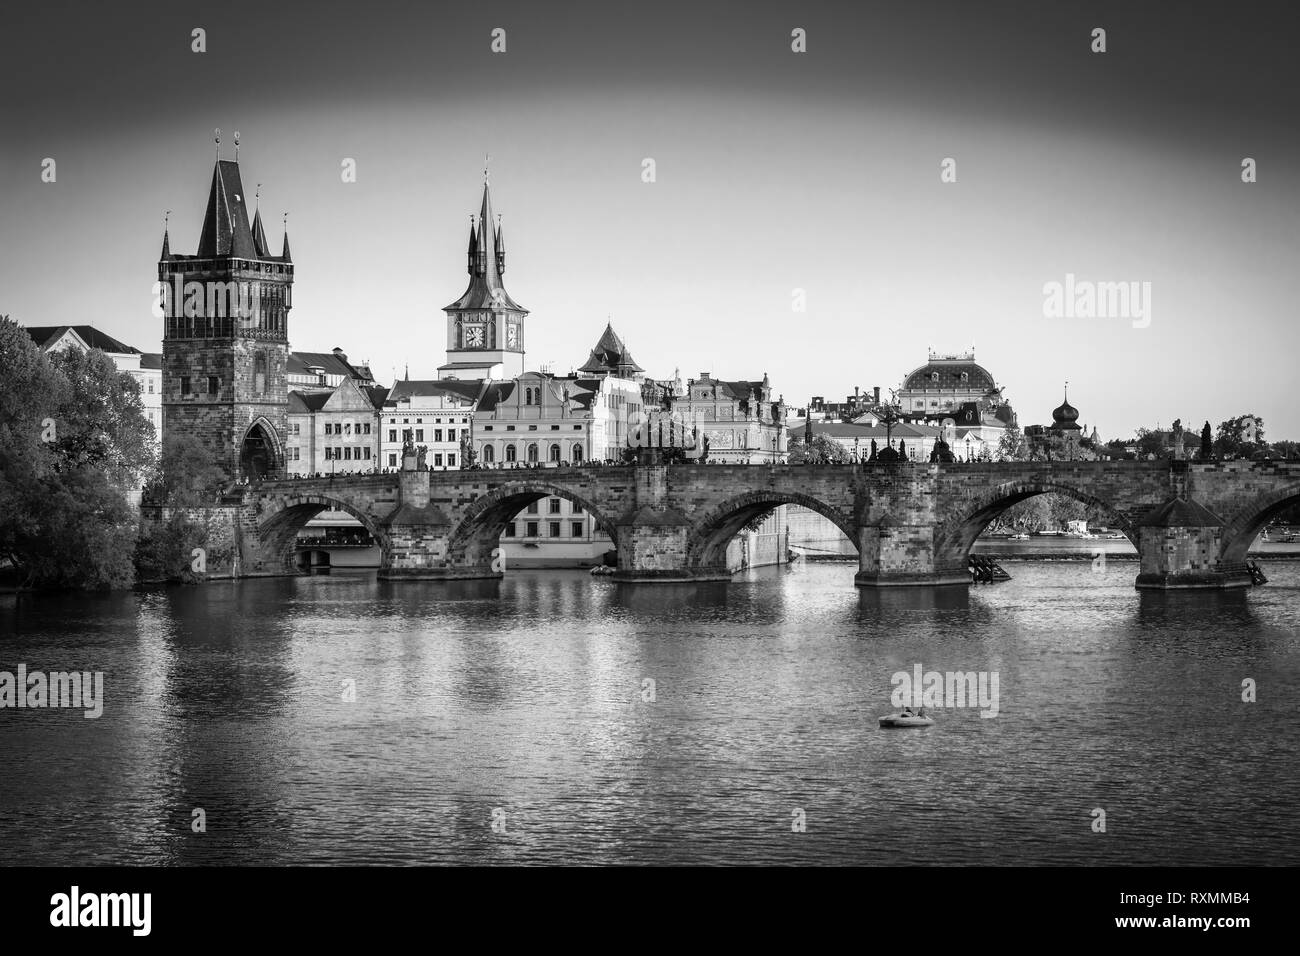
(419, 434)
(344, 428)
(531, 529)
(437, 460)
(554, 453)
(552, 507)
(532, 428)
(420, 421)
(345, 453)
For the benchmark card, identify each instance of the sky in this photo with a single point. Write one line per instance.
(775, 171)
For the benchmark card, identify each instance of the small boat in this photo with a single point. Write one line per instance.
(1020, 537)
(602, 569)
(909, 720)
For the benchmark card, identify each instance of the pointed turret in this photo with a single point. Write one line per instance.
(167, 246)
(225, 224)
(472, 255)
(501, 249)
(611, 357)
(486, 261)
(285, 254)
(259, 237)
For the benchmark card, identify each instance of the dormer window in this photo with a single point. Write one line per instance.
(965, 376)
(934, 376)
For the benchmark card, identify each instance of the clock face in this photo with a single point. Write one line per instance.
(512, 336)
(474, 336)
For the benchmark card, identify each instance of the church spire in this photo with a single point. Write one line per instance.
(486, 262)
(167, 246)
(285, 254)
(501, 249)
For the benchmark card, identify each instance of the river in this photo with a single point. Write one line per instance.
(524, 704)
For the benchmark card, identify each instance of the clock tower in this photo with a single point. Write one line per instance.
(485, 327)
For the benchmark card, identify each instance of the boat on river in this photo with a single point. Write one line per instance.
(905, 719)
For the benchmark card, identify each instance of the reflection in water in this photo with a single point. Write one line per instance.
(341, 719)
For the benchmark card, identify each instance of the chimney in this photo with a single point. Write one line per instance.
(856, 390)
(876, 389)
(340, 354)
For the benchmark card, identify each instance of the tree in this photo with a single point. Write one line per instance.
(822, 450)
(73, 441)
(1207, 444)
(1012, 445)
(1231, 438)
(188, 474)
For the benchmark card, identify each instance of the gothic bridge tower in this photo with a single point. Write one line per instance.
(226, 334)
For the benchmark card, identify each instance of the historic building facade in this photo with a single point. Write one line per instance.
(226, 334)
(742, 420)
(436, 414)
(334, 431)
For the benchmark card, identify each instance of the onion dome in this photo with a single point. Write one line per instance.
(1065, 416)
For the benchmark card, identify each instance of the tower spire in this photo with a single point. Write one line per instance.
(167, 248)
(285, 254)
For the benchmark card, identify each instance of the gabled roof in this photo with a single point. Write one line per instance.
(417, 388)
(301, 402)
(300, 362)
(225, 224)
(610, 355)
(46, 335)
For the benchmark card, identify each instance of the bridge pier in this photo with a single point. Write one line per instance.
(654, 546)
(419, 539)
(897, 555)
(1179, 544)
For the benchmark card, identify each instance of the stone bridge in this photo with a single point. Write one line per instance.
(913, 524)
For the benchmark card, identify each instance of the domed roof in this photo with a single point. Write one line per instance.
(950, 372)
(1066, 415)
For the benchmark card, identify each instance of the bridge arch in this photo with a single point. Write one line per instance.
(956, 535)
(1241, 529)
(278, 531)
(709, 536)
(479, 530)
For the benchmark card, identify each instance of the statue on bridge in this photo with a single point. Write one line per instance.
(420, 454)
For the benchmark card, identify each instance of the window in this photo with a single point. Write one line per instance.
(329, 429)
(419, 434)
(554, 529)
(510, 428)
(487, 428)
(451, 461)
(554, 454)
(531, 532)
(532, 507)
(367, 454)
(510, 453)
(437, 434)
(367, 428)
(577, 428)
(150, 386)
(577, 509)
(576, 528)
(295, 454)
(347, 428)
(577, 454)
(532, 453)
(965, 376)
(392, 434)
(934, 376)
(510, 530)
(329, 453)
(555, 428)
(392, 461)
(451, 434)
(296, 426)
(347, 453)
(259, 373)
(437, 459)
(553, 506)
(185, 385)
(489, 455)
